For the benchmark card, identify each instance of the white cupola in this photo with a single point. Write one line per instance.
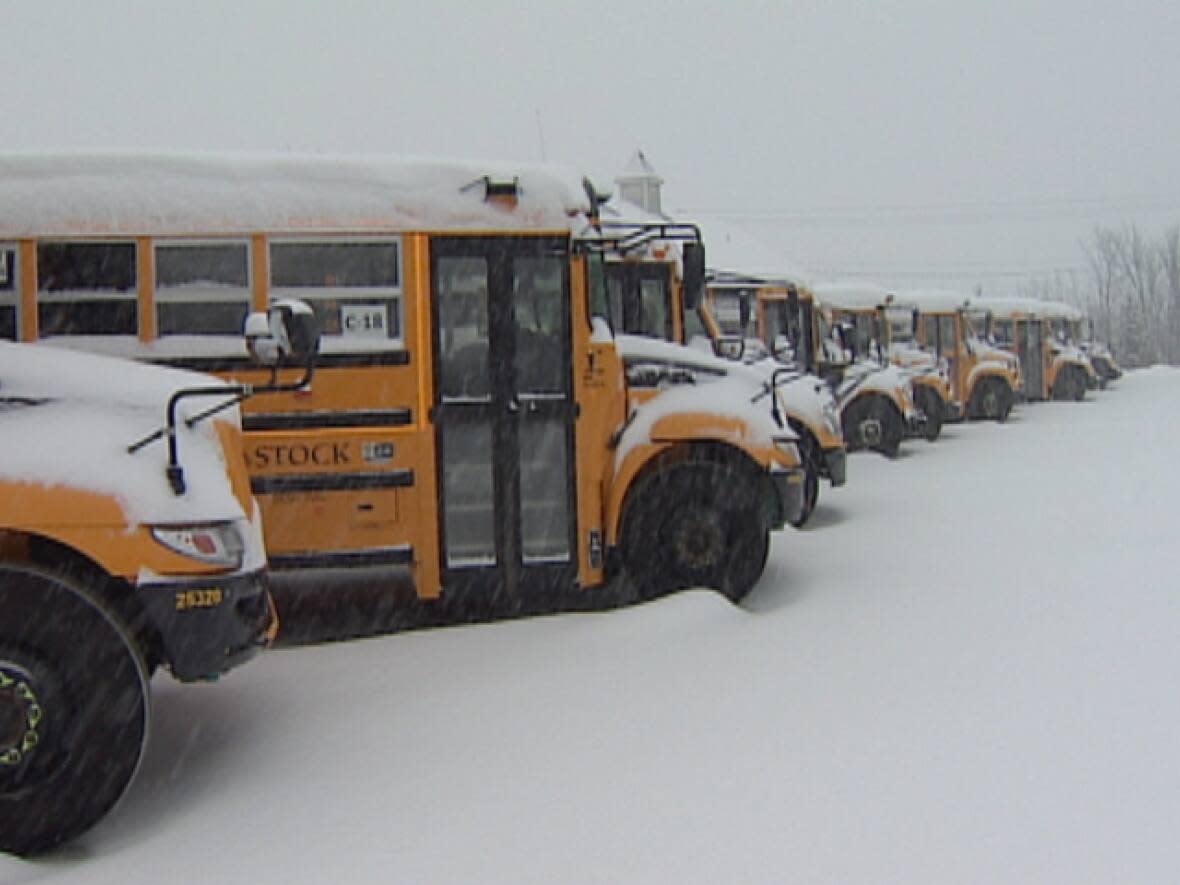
(639, 184)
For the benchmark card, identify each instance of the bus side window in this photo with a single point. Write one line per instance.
(86, 288)
(353, 285)
(8, 299)
(202, 288)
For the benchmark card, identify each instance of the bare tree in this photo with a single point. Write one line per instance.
(1101, 256)
(1169, 259)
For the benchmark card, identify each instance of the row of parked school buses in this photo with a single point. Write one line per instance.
(517, 404)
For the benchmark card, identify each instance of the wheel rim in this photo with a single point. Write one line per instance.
(21, 717)
(991, 403)
(698, 540)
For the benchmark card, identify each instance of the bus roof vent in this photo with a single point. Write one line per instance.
(503, 192)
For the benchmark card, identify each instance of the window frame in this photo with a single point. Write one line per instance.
(88, 296)
(159, 299)
(394, 296)
(11, 296)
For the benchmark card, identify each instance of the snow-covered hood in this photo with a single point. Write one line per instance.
(802, 396)
(730, 398)
(868, 375)
(987, 351)
(908, 356)
(639, 350)
(1071, 353)
(67, 419)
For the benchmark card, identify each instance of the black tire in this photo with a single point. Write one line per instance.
(812, 456)
(1070, 385)
(873, 422)
(932, 407)
(74, 679)
(810, 496)
(992, 400)
(695, 523)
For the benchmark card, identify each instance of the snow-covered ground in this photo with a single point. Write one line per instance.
(965, 670)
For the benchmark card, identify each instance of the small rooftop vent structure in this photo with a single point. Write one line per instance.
(639, 184)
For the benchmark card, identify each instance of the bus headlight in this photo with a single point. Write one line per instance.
(213, 543)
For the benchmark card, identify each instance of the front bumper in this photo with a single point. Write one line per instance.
(835, 465)
(209, 626)
(785, 501)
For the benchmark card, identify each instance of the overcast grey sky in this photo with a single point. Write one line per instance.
(910, 141)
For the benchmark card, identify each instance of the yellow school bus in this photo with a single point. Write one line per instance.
(986, 379)
(129, 540)
(795, 327)
(1037, 332)
(469, 429)
(665, 341)
(886, 332)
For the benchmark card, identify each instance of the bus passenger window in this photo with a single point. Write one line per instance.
(202, 288)
(86, 288)
(354, 286)
(8, 292)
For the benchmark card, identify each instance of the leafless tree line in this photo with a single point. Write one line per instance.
(1131, 291)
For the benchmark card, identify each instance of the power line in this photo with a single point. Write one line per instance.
(961, 212)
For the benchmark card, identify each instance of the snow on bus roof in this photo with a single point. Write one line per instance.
(850, 294)
(1007, 305)
(932, 299)
(123, 193)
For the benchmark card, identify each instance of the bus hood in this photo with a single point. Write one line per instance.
(68, 418)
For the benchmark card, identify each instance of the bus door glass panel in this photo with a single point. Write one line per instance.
(86, 288)
(1035, 373)
(8, 292)
(948, 336)
(803, 337)
(542, 394)
(461, 292)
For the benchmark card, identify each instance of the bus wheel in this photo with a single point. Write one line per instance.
(810, 496)
(931, 405)
(698, 523)
(73, 710)
(992, 400)
(872, 422)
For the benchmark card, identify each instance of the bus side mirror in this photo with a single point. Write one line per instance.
(286, 334)
(693, 257)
